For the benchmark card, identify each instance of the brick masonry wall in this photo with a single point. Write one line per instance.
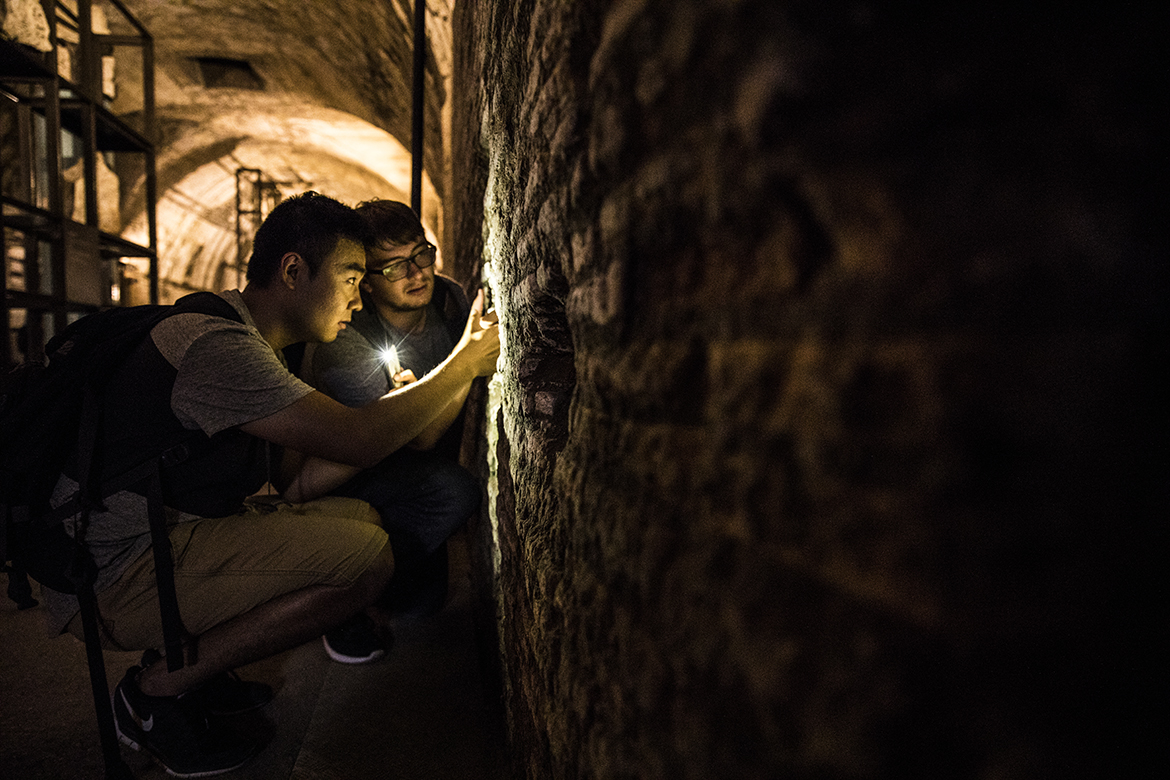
(827, 446)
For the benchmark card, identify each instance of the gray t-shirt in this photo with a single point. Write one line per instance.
(353, 371)
(227, 375)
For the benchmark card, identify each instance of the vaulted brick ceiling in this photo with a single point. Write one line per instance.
(316, 95)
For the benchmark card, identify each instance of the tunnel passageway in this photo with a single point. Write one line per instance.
(828, 439)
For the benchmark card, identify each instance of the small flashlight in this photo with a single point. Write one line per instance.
(393, 364)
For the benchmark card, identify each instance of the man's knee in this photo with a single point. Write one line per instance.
(344, 507)
(454, 496)
(429, 487)
(461, 492)
(377, 574)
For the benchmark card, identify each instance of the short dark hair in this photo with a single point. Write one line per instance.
(309, 224)
(391, 222)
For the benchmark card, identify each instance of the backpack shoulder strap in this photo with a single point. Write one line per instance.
(174, 633)
(453, 305)
(206, 303)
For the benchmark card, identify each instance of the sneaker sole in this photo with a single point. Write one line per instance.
(351, 659)
(173, 773)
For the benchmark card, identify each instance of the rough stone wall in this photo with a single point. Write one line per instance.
(827, 446)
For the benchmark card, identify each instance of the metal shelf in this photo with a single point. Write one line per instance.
(23, 63)
(56, 124)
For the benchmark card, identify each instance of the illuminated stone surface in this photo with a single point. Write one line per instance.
(812, 461)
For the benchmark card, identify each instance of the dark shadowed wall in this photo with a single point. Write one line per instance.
(826, 447)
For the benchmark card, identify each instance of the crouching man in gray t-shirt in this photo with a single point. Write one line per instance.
(256, 581)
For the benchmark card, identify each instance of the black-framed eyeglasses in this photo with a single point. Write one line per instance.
(424, 257)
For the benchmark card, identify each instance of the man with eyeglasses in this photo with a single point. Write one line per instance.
(411, 319)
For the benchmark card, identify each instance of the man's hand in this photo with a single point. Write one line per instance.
(481, 338)
(403, 378)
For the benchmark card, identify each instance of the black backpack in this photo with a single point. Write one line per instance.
(50, 413)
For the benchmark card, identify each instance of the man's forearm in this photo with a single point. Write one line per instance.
(433, 432)
(317, 425)
(314, 477)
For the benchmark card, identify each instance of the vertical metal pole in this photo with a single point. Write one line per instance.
(418, 112)
(89, 69)
(151, 162)
(56, 183)
(89, 64)
(152, 223)
(249, 215)
(239, 228)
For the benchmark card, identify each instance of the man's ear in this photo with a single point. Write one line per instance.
(292, 269)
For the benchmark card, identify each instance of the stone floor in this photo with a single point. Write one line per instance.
(426, 710)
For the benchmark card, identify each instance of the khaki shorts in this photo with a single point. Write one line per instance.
(226, 566)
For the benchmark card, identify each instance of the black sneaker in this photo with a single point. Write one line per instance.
(355, 642)
(224, 694)
(227, 694)
(176, 731)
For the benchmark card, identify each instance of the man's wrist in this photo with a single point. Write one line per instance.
(464, 366)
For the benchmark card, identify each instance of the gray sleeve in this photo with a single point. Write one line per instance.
(229, 376)
(349, 369)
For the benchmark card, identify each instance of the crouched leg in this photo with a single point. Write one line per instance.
(253, 585)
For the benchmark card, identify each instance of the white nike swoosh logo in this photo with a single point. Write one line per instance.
(147, 724)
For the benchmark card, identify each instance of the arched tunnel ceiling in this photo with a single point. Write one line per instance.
(332, 114)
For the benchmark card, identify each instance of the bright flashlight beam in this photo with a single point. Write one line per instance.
(390, 358)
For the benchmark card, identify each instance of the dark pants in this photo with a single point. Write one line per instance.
(423, 498)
